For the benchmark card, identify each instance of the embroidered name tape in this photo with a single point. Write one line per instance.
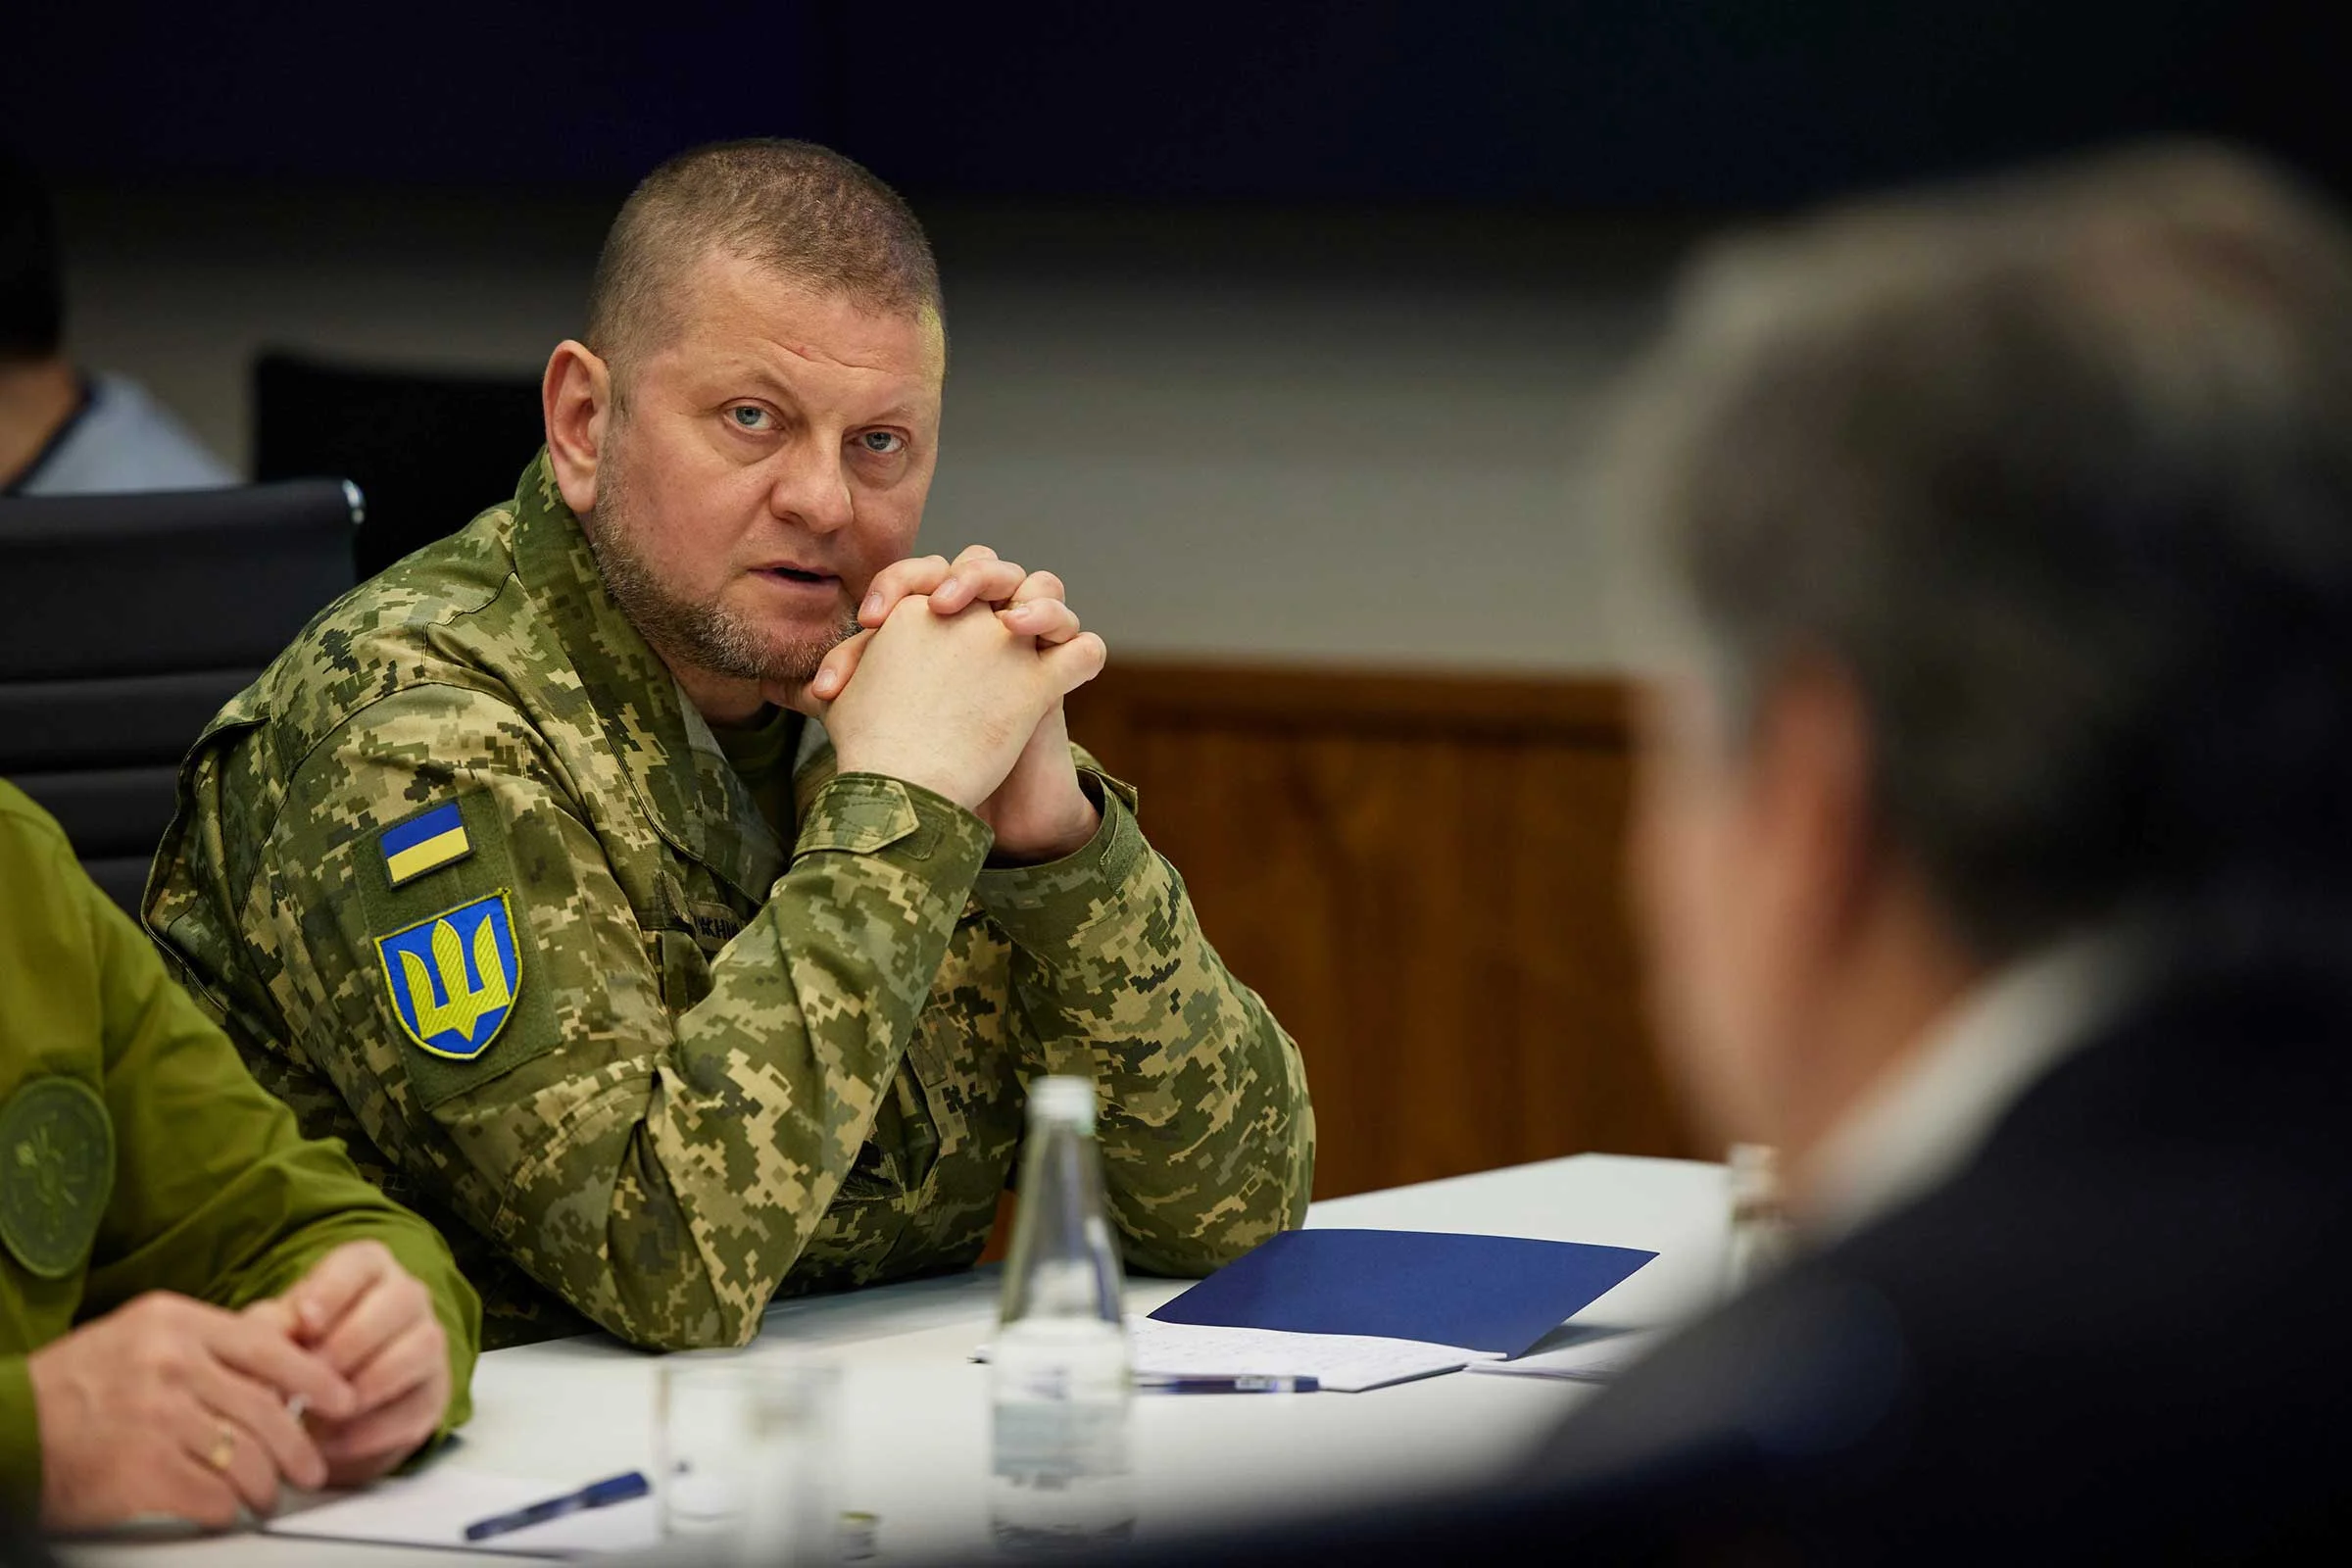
(424, 843)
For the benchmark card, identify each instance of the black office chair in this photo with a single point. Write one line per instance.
(430, 448)
(128, 620)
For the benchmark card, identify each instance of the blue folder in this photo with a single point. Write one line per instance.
(1478, 1293)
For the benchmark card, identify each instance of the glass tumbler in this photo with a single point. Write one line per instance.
(744, 1455)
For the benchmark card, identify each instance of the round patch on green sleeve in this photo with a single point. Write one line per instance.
(57, 1170)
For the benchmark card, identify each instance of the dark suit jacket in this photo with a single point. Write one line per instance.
(2124, 1331)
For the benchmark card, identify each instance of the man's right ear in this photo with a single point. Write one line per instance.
(575, 398)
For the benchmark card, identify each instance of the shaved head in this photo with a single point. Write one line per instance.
(802, 210)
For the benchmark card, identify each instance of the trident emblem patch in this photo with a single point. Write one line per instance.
(454, 978)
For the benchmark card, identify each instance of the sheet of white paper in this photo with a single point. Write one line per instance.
(433, 1509)
(1595, 1357)
(1343, 1363)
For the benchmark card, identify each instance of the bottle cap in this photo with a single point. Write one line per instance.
(1063, 1099)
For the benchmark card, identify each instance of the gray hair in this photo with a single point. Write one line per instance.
(2058, 471)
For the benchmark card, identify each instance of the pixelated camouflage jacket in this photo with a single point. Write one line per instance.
(724, 1069)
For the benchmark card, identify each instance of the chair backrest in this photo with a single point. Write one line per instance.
(430, 450)
(128, 620)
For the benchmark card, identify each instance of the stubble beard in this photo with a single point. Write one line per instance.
(699, 633)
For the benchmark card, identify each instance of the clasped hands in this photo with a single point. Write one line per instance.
(955, 682)
(170, 1405)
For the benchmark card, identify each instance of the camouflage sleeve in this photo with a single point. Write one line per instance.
(1209, 1139)
(659, 1166)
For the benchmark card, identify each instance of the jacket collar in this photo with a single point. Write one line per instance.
(1935, 1106)
(674, 767)
(813, 768)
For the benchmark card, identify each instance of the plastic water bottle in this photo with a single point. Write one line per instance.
(1059, 1367)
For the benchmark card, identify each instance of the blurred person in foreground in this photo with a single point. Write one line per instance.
(197, 1306)
(64, 430)
(531, 873)
(1993, 858)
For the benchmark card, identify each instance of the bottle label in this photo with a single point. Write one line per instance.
(1037, 1441)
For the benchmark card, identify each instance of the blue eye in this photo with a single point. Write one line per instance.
(749, 417)
(882, 443)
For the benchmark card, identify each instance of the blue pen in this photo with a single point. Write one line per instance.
(1246, 1384)
(596, 1494)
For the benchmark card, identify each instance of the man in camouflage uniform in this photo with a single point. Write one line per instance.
(527, 872)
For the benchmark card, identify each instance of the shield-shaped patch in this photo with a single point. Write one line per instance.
(454, 978)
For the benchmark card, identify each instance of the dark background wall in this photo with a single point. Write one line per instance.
(1696, 103)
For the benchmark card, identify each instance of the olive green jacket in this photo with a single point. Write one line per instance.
(137, 1155)
(475, 889)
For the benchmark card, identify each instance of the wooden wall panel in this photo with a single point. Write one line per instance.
(1421, 876)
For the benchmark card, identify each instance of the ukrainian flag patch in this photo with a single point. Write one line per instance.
(425, 842)
(454, 978)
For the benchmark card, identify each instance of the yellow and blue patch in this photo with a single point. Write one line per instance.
(454, 978)
(425, 842)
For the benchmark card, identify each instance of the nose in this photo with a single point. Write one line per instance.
(813, 488)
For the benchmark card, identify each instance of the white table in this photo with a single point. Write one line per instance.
(915, 1439)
